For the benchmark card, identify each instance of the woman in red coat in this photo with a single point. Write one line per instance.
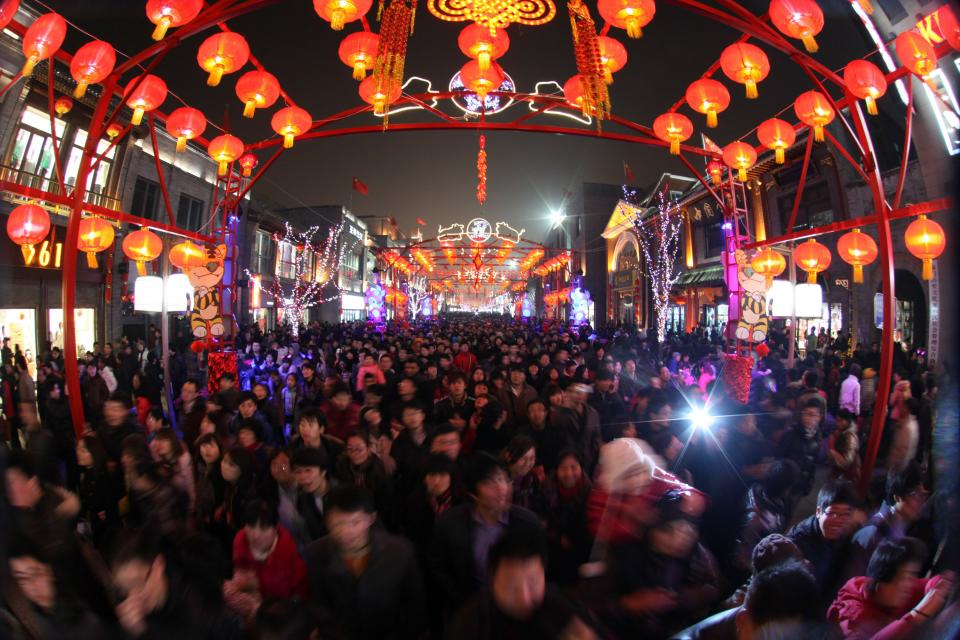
(268, 551)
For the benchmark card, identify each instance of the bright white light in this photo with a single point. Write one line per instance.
(556, 217)
(700, 419)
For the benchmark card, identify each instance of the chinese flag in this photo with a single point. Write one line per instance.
(421, 222)
(628, 173)
(359, 187)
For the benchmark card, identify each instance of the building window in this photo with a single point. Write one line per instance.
(815, 207)
(260, 255)
(189, 212)
(33, 148)
(714, 240)
(96, 181)
(285, 260)
(146, 198)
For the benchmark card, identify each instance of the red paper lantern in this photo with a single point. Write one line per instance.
(142, 246)
(171, 13)
(812, 257)
(378, 98)
(186, 123)
(865, 81)
(91, 63)
(224, 150)
(708, 96)
(715, 169)
(359, 51)
(949, 26)
(769, 264)
(740, 156)
(62, 105)
(479, 81)
(257, 90)
(340, 12)
(43, 39)
(573, 91)
(800, 19)
(778, 135)
(187, 254)
(631, 15)
(247, 162)
(95, 235)
(222, 53)
(674, 128)
(27, 225)
(113, 130)
(475, 41)
(290, 122)
(613, 57)
(147, 96)
(916, 53)
(8, 9)
(926, 240)
(814, 110)
(857, 249)
(745, 63)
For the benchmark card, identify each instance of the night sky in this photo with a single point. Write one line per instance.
(432, 175)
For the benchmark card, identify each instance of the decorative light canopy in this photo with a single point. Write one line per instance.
(222, 53)
(380, 100)
(745, 63)
(916, 53)
(778, 135)
(814, 110)
(142, 246)
(359, 51)
(812, 257)
(708, 96)
(800, 19)
(187, 254)
(740, 156)
(340, 12)
(858, 250)
(91, 63)
(146, 96)
(674, 128)
(290, 122)
(27, 225)
(185, 123)
(631, 15)
(926, 240)
(479, 81)
(257, 90)
(494, 14)
(95, 235)
(43, 39)
(613, 57)
(224, 150)
(769, 264)
(171, 13)
(865, 81)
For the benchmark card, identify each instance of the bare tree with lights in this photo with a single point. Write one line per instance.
(314, 282)
(660, 236)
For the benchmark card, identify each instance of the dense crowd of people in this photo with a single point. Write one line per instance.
(473, 477)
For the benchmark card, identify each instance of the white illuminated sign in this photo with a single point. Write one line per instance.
(479, 230)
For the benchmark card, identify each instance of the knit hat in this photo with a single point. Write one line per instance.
(624, 466)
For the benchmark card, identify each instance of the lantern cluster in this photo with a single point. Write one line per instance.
(482, 74)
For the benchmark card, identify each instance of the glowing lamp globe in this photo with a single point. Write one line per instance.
(745, 63)
(613, 57)
(185, 123)
(178, 293)
(359, 51)
(479, 81)
(113, 130)
(476, 41)
(224, 150)
(812, 257)
(949, 26)
(186, 254)
(916, 53)
(778, 135)
(858, 250)
(222, 53)
(27, 225)
(142, 246)
(926, 240)
(95, 235)
(674, 128)
(340, 12)
(91, 63)
(290, 122)
(148, 294)
(257, 90)
(145, 96)
(800, 19)
(865, 80)
(62, 105)
(780, 299)
(708, 96)
(769, 264)
(8, 9)
(740, 156)
(808, 301)
(814, 110)
(43, 39)
(171, 13)
(715, 169)
(247, 162)
(379, 98)
(631, 15)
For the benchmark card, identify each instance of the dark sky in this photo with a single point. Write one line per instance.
(433, 174)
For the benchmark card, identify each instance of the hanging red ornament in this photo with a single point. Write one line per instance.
(590, 67)
(482, 171)
(395, 29)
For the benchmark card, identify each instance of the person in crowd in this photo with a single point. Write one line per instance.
(548, 441)
(604, 399)
(175, 462)
(95, 393)
(516, 396)
(248, 410)
(409, 450)
(208, 483)
(266, 552)
(844, 447)
(310, 470)
(456, 407)
(239, 486)
(565, 498)
(216, 422)
(311, 433)
(520, 457)
(228, 391)
(117, 425)
(99, 514)
(850, 391)
(341, 413)
(359, 467)
(802, 443)
(769, 506)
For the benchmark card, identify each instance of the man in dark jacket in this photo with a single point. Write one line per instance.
(464, 535)
(190, 411)
(365, 582)
(310, 470)
(516, 396)
(117, 425)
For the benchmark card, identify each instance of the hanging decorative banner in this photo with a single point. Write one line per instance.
(595, 98)
(395, 29)
(753, 322)
(482, 171)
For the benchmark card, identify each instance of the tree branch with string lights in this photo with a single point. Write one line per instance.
(660, 236)
(313, 282)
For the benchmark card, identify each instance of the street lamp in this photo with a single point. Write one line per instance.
(556, 217)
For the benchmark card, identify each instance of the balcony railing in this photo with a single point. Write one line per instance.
(94, 196)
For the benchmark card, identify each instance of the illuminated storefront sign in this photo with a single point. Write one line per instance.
(44, 255)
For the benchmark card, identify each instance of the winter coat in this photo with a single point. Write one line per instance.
(860, 617)
(282, 574)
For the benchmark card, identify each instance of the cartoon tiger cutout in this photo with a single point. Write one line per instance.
(205, 319)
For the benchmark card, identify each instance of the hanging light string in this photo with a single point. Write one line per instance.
(660, 242)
